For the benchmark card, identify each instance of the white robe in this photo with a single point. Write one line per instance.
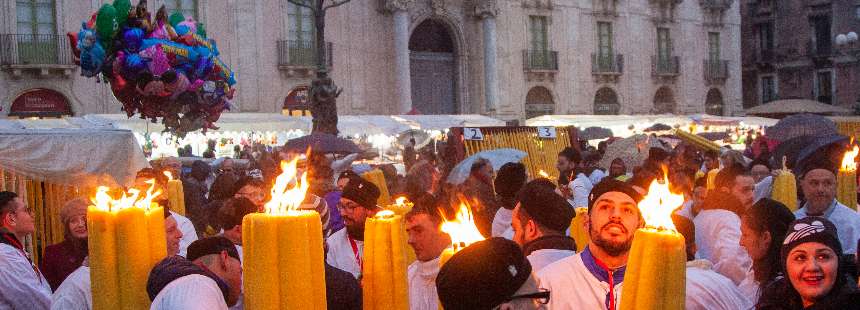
(708, 290)
(75, 292)
(21, 287)
(340, 254)
(422, 285)
(573, 286)
(191, 292)
(544, 257)
(750, 287)
(189, 234)
(580, 187)
(502, 224)
(847, 222)
(718, 234)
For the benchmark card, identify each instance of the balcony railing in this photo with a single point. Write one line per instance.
(612, 64)
(716, 71)
(35, 50)
(540, 60)
(716, 4)
(302, 54)
(665, 66)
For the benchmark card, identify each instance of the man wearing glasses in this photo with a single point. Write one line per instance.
(346, 246)
(22, 285)
(592, 279)
(490, 274)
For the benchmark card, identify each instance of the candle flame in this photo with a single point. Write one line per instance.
(462, 228)
(289, 191)
(384, 214)
(543, 174)
(400, 201)
(849, 162)
(130, 199)
(169, 175)
(657, 206)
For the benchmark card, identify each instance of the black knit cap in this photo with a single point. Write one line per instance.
(362, 192)
(545, 207)
(611, 185)
(811, 229)
(482, 275)
(209, 246)
(510, 179)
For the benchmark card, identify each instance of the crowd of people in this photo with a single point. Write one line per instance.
(744, 249)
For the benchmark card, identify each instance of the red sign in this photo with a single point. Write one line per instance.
(297, 98)
(39, 102)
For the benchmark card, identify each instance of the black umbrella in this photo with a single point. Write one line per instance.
(658, 127)
(798, 149)
(593, 133)
(322, 142)
(831, 146)
(804, 124)
(714, 136)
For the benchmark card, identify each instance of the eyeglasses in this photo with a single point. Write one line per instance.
(542, 297)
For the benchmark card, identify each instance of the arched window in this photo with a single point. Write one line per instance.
(297, 102)
(664, 101)
(539, 102)
(714, 103)
(40, 102)
(606, 102)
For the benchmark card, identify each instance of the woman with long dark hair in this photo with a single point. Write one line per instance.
(763, 227)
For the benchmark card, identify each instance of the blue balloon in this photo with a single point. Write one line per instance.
(132, 39)
(134, 65)
(181, 29)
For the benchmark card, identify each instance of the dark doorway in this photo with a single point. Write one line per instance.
(433, 69)
(714, 103)
(606, 102)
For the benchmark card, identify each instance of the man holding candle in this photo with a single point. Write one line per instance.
(423, 225)
(346, 246)
(539, 221)
(818, 182)
(592, 279)
(22, 285)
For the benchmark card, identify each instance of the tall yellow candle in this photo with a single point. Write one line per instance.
(577, 229)
(400, 207)
(656, 264)
(175, 194)
(283, 250)
(126, 240)
(846, 179)
(384, 283)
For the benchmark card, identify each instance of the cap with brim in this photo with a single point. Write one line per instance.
(546, 207)
(612, 185)
(211, 245)
(362, 192)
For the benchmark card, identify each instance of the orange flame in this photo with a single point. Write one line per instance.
(849, 162)
(384, 214)
(289, 191)
(169, 175)
(130, 199)
(462, 228)
(543, 174)
(401, 201)
(657, 206)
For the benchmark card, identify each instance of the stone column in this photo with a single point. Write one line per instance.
(402, 78)
(487, 10)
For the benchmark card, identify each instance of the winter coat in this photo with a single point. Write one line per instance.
(61, 259)
(781, 296)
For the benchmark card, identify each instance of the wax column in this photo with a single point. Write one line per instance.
(487, 11)
(402, 79)
(384, 280)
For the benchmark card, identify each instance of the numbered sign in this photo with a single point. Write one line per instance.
(473, 134)
(546, 132)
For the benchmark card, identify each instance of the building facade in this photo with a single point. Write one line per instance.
(790, 51)
(511, 59)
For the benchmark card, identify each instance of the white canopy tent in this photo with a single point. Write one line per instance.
(621, 124)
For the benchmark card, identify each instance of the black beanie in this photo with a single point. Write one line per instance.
(510, 179)
(545, 206)
(611, 185)
(482, 275)
(811, 229)
(362, 192)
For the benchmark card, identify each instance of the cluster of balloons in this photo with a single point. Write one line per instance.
(163, 68)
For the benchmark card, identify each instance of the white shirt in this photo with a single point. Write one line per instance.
(191, 292)
(502, 224)
(422, 285)
(708, 290)
(763, 188)
(846, 220)
(544, 257)
(580, 187)
(750, 287)
(75, 292)
(340, 254)
(718, 234)
(21, 287)
(189, 234)
(573, 286)
(596, 176)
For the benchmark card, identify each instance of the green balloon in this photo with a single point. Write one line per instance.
(201, 30)
(122, 8)
(106, 24)
(176, 18)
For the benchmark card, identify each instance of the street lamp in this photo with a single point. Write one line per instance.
(846, 42)
(846, 39)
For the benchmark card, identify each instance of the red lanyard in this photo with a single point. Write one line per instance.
(20, 248)
(355, 251)
(609, 272)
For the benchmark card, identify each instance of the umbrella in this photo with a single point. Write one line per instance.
(593, 133)
(794, 106)
(829, 146)
(714, 136)
(658, 127)
(633, 151)
(322, 142)
(497, 158)
(422, 138)
(801, 125)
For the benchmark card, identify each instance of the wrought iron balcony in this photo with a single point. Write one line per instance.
(715, 71)
(665, 66)
(301, 55)
(612, 64)
(540, 60)
(41, 52)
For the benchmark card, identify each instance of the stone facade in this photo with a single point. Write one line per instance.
(793, 44)
(368, 55)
